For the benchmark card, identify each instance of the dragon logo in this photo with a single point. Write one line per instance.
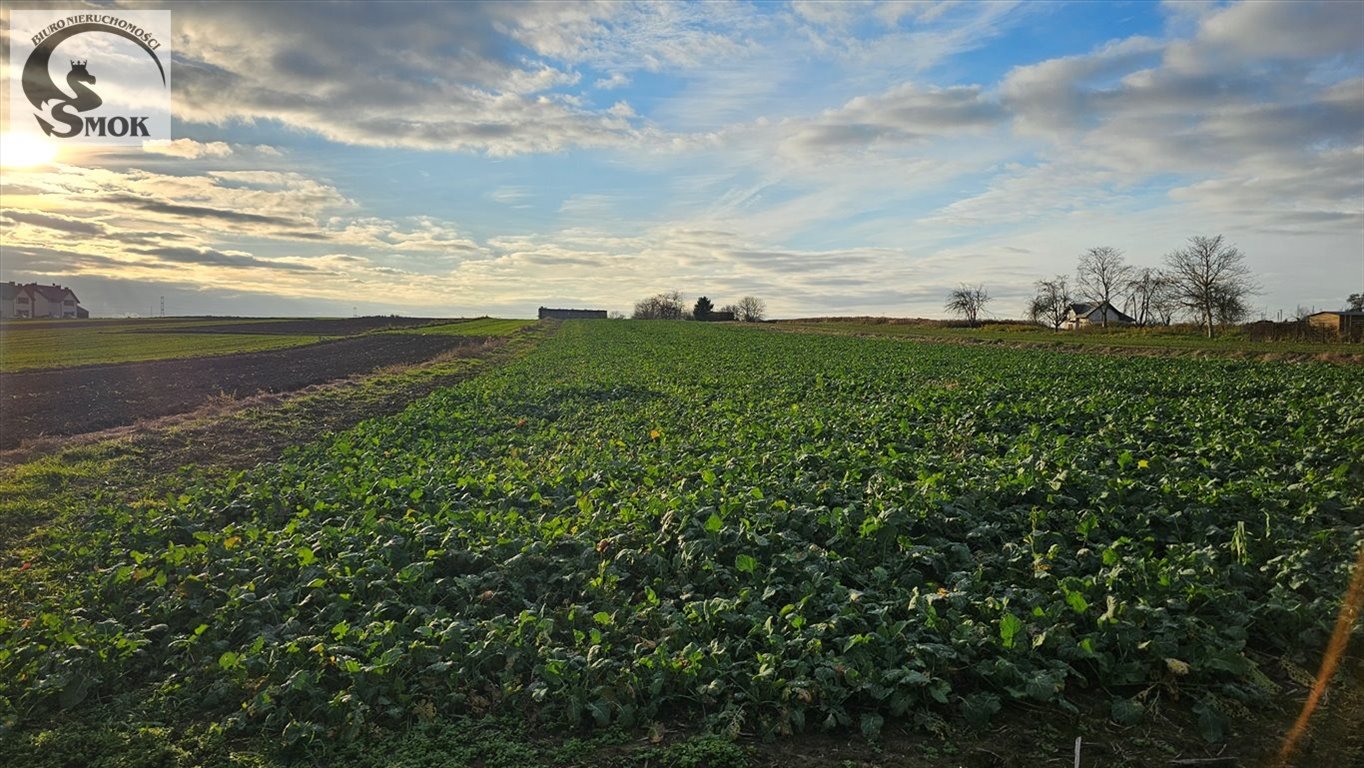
(61, 112)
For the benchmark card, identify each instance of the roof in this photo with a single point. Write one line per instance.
(1087, 308)
(53, 293)
(1339, 313)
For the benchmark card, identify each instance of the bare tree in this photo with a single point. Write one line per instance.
(1101, 274)
(1165, 305)
(733, 309)
(751, 309)
(967, 302)
(1211, 280)
(1052, 302)
(1149, 296)
(663, 306)
(1355, 303)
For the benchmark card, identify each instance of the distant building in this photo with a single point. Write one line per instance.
(1090, 314)
(33, 300)
(720, 316)
(572, 314)
(1346, 322)
(8, 293)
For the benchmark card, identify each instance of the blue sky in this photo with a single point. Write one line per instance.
(832, 158)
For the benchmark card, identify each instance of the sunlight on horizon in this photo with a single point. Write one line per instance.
(24, 150)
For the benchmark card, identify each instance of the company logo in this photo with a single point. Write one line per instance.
(117, 87)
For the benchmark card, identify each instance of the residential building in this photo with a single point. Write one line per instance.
(1092, 314)
(9, 292)
(35, 300)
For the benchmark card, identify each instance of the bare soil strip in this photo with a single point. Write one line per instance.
(38, 404)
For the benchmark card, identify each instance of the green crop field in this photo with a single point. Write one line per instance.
(719, 529)
(1228, 341)
(90, 344)
(485, 326)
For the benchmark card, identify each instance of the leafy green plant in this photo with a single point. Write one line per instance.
(767, 533)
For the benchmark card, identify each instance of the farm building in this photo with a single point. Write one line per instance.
(1091, 314)
(572, 314)
(31, 300)
(720, 316)
(1346, 323)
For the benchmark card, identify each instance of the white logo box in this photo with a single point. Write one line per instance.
(90, 76)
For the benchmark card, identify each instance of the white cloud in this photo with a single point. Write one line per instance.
(616, 80)
(906, 114)
(186, 148)
(1289, 30)
(513, 196)
(628, 37)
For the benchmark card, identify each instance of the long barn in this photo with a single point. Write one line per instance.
(572, 314)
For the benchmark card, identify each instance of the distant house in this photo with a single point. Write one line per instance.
(8, 293)
(720, 316)
(572, 314)
(1346, 322)
(1090, 314)
(33, 300)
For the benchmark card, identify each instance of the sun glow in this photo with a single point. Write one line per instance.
(23, 150)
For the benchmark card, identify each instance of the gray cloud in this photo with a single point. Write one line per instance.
(192, 211)
(45, 261)
(215, 258)
(434, 76)
(56, 222)
(1285, 30)
(905, 114)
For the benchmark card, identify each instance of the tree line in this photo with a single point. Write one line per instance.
(671, 306)
(1208, 280)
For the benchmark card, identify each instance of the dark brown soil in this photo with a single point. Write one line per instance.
(74, 401)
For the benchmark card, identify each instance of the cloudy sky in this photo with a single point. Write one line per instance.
(839, 158)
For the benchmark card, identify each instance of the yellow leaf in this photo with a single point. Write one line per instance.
(1143, 464)
(655, 434)
(232, 541)
(1178, 667)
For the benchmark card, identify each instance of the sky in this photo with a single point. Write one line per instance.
(846, 158)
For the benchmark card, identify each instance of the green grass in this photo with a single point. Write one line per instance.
(1231, 341)
(485, 326)
(37, 348)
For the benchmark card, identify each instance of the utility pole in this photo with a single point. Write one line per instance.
(163, 306)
